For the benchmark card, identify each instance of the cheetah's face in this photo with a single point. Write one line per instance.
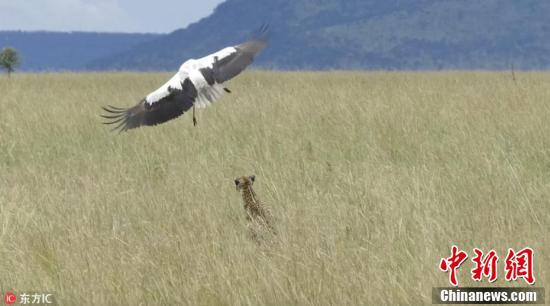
(244, 181)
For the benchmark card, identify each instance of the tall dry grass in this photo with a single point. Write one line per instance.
(372, 177)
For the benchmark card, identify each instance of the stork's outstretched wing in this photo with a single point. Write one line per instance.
(223, 66)
(174, 104)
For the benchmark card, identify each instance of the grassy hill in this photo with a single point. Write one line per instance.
(362, 34)
(372, 177)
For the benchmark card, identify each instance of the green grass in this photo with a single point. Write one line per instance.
(371, 176)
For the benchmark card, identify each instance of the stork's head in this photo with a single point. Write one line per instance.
(244, 181)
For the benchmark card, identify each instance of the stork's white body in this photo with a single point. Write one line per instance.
(190, 69)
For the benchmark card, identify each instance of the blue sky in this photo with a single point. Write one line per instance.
(158, 16)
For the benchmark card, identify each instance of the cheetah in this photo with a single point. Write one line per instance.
(258, 215)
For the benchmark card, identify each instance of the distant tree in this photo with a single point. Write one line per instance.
(9, 59)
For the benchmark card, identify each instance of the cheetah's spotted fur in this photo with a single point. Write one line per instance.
(257, 213)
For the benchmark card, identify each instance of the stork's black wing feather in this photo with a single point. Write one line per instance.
(224, 69)
(177, 102)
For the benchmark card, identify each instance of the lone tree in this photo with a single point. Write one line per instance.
(9, 59)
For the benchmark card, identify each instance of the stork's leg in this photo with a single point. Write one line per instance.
(194, 118)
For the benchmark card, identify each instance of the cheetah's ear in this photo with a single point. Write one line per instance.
(252, 178)
(236, 182)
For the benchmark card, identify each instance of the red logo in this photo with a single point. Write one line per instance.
(520, 264)
(10, 298)
(452, 263)
(517, 265)
(485, 266)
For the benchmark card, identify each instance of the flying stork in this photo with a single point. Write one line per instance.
(198, 82)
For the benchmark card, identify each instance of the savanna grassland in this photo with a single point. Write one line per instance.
(371, 176)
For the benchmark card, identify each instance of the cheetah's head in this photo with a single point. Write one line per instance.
(244, 181)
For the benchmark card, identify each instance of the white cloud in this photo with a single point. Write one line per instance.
(101, 15)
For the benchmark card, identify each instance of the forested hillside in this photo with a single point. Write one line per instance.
(358, 34)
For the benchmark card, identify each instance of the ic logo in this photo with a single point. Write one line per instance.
(10, 298)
